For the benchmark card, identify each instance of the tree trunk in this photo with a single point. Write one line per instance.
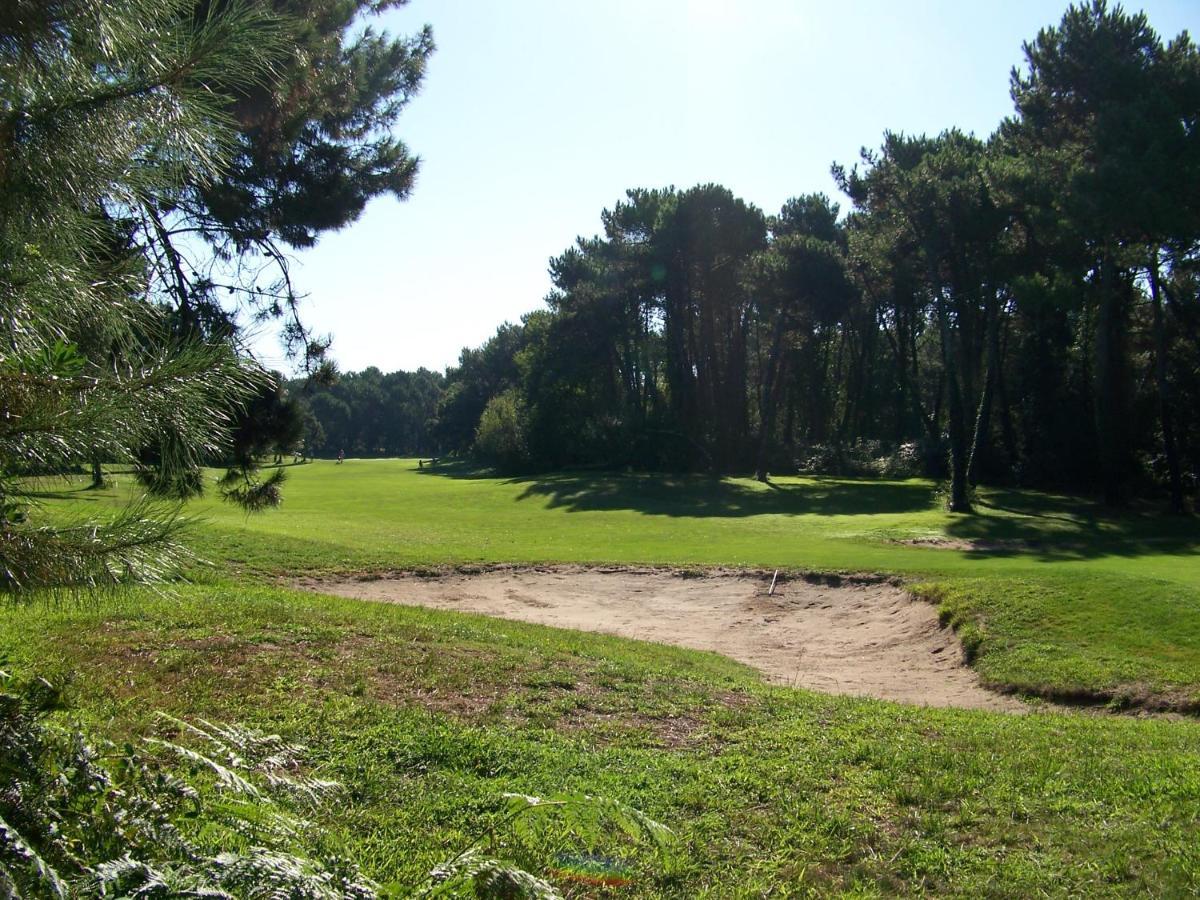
(789, 422)
(1183, 315)
(770, 398)
(990, 374)
(1110, 406)
(1166, 414)
(908, 391)
(1006, 424)
(959, 498)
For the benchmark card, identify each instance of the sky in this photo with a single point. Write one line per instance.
(536, 115)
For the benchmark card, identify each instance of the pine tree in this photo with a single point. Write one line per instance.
(105, 108)
(310, 149)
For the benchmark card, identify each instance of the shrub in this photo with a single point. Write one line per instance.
(869, 458)
(502, 436)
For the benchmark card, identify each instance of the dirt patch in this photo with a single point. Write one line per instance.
(841, 636)
(968, 545)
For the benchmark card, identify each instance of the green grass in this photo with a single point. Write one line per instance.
(1066, 602)
(428, 717)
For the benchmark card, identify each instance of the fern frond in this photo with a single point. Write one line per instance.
(227, 777)
(262, 874)
(17, 856)
(128, 877)
(269, 755)
(588, 817)
(472, 874)
(311, 790)
(259, 821)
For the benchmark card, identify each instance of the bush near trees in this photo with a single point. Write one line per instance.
(503, 433)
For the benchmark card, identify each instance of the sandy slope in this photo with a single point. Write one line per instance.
(861, 638)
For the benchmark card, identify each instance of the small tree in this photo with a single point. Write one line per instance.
(501, 438)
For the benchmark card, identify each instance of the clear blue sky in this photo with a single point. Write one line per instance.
(537, 114)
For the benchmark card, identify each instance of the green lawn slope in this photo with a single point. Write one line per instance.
(428, 717)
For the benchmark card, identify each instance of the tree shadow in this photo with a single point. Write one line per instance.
(698, 496)
(1008, 522)
(285, 465)
(1053, 527)
(39, 491)
(457, 468)
(703, 496)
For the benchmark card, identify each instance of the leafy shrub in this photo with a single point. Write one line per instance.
(908, 460)
(501, 439)
(870, 458)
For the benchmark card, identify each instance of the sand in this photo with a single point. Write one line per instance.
(859, 637)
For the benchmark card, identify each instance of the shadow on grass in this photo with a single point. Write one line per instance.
(456, 468)
(703, 496)
(85, 494)
(1008, 522)
(65, 489)
(1055, 527)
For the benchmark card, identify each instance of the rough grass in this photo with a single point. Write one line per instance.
(1058, 599)
(428, 717)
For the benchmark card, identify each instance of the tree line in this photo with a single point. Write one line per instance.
(369, 413)
(1022, 309)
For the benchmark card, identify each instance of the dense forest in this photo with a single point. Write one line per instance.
(1018, 309)
(369, 413)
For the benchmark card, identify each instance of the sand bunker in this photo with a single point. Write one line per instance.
(855, 637)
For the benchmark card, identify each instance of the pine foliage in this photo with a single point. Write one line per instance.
(107, 109)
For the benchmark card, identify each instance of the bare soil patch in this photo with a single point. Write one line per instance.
(967, 545)
(858, 637)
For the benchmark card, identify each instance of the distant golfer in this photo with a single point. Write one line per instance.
(341, 457)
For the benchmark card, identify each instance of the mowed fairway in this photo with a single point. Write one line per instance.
(427, 717)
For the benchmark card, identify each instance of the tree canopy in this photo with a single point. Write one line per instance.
(309, 149)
